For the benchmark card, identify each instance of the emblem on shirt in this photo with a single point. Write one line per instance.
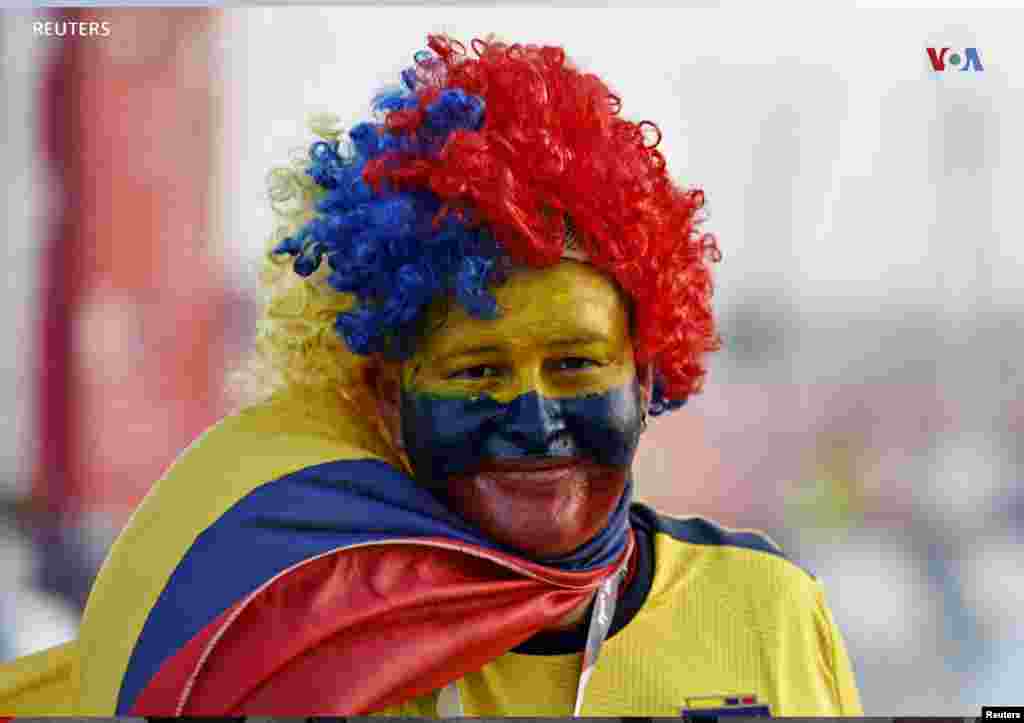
(713, 706)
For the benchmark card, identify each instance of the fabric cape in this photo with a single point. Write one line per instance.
(281, 569)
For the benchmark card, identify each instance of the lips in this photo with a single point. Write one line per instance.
(530, 463)
(537, 475)
(537, 481)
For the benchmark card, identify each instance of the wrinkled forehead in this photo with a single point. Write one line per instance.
(568, 302)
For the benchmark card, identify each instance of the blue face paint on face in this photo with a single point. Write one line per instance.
(447, 437)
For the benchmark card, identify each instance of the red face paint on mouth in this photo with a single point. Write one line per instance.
(545, 507)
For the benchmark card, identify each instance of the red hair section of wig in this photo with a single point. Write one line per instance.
(553, 145)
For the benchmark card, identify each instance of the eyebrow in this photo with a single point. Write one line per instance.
(494, 349)
(579, 340)
(471, 351)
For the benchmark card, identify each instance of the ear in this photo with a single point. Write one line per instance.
(645, 375)
(384, 378)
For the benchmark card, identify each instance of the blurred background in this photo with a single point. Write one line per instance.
(867, 409)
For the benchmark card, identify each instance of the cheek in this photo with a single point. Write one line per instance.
(441, 435)
(608, 425)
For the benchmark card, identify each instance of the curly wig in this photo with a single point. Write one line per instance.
(483, 161)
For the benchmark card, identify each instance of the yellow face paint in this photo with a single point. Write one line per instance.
(562, 332)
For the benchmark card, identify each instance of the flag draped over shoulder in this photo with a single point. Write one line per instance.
(280, 569)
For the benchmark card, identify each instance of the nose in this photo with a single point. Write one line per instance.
(532, 426)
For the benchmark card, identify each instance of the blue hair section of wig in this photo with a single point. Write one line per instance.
(391, 249)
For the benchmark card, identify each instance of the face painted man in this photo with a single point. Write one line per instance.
(433, 514)
(527, 424)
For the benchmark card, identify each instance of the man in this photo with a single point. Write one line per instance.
(435, 515)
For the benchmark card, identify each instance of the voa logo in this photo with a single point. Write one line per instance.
(952, 59)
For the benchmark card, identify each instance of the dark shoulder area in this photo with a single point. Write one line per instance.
(700, 531)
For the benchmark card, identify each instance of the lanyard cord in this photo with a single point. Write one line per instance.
(449, 702)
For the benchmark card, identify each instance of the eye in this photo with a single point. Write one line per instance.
(573, 364)
(480, 371)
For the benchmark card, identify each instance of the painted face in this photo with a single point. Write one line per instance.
(527, 425)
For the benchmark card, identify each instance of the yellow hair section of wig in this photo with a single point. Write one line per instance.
(296, 343)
